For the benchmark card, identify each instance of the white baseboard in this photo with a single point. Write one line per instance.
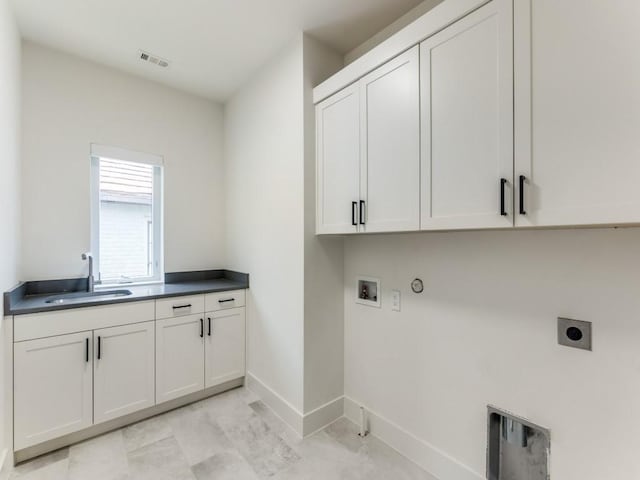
(287, 412)
(302, 424)
(427, 456)
(3, 459)
(430, 458)
(322, 416)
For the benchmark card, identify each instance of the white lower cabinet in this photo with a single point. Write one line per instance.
(52, 387)
(179, 356)
(224, 346)
(66, 382)
(123, 370)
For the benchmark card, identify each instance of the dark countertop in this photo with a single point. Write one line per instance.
(30, 297)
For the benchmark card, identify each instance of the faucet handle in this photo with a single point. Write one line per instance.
(87, 255)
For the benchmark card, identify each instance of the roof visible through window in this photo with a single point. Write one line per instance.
(122, 181)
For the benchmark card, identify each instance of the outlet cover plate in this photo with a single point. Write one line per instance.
(574, 333)
(395, 300)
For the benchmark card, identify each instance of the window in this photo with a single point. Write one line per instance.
(126, 215)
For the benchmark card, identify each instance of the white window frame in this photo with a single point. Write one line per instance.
(117, 153)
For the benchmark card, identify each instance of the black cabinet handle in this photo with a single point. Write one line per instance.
(86, 350)
(188, 305)
(99, 347)
(225, 300)
(523, 179)
(201, 328)
(354, 205)
(209, 318)
(362, 212)
(503, 183)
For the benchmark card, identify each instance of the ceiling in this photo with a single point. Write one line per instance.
(213, 45)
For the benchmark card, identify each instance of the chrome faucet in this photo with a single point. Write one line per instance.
(90, 280)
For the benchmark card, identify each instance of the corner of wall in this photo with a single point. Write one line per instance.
(323, 270)
(279, 94)
(388, 31)
(10, 97)
(264, 171)
(10, 60)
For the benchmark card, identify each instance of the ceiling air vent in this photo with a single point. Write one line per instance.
(149, 57)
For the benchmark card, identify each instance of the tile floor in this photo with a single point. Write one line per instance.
(232, 436)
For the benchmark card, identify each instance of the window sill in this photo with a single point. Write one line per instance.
(122, 285)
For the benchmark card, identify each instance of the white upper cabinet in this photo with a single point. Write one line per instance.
(123, 370)
(368, 152)
(338, 162)
(390, 165)
(577, 112)
(52, 387)
(528, 115)
(467, 122)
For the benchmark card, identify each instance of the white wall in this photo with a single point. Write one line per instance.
(484, 332)
(389, 30)
(295, 314)
(323, 258)
(265, 205)
(9, 147)
(9, 194)
(69, 103)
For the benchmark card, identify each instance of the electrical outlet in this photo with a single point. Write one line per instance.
(395, 300)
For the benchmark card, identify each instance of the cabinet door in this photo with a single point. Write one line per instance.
(52, 387)
(224, 346)
(467, 122)
(179, 356)
(390, 167)
(338, 162)
(123, 370)
(577, 111)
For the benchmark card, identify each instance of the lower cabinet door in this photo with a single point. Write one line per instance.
(179, 356)
(224, 346)
(52, 387)
(123, 370)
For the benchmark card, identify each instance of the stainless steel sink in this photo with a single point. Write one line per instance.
(78, 297)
